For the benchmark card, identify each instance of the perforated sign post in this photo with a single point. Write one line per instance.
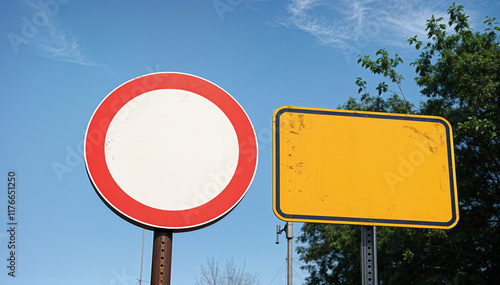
(170, 152)
(363, 168)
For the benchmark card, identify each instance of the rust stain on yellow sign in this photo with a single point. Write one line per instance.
(364, 168)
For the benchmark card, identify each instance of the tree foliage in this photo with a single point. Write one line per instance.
(459, 76)
(213, 274)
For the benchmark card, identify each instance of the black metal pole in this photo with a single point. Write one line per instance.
(162, 257)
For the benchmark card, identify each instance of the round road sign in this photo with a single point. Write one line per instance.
(170, 150)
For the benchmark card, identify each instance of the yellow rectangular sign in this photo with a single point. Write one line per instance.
(364, 168)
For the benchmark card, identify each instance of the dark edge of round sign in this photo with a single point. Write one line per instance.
(147, 217)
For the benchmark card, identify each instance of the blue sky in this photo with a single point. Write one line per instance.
(60, 58)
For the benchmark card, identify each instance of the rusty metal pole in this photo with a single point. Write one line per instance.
(162, 257)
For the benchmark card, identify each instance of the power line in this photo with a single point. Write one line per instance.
(279, 270)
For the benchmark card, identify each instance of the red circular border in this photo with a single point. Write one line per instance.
(144, 215)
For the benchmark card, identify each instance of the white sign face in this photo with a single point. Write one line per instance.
(170, 150)
(176, 141)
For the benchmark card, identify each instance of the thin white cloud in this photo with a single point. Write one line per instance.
(298, 7)
(352, 25)
(51, 40)
(302, 16)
